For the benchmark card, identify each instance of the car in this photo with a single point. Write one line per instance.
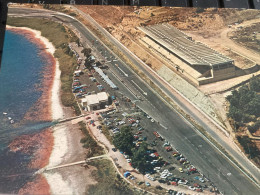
(186, 162)
(193, 170)
(182, 181)
(192, 188)
(140, 128)
(161, 181)
(178, 157)
(181, 170)
(97, 113)
(114, 149)
(168, 148)
(175, 154)
(201, 180)
(99, 126)
(148, 117)
(88, 117)
(147, 183)
(128, 160)
(199, 190)
(174, 183)
(196, 185)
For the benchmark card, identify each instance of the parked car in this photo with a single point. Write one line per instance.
(201, 180)
(182, 181)
(147, 183)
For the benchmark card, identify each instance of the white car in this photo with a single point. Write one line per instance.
(128, 160)
(182, 182)
(148, 117)
(202, 180)
(152, 120)
(121, 122)
(192, 188)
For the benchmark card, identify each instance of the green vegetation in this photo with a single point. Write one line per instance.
(89, 143)
(124, 140)
(109, 182)
(245, 105)
(59, 36)
(86, 52)
(244, 111)
(250, 148)
(140, 158)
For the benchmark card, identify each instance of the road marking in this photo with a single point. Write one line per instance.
(163, 126)
(123, 71)
(139, 87)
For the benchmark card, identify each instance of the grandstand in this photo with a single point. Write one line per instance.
(209, 65)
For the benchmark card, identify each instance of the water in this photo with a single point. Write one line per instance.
(20, 81)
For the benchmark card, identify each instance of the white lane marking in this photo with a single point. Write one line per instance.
(139, 87)
(122, 71)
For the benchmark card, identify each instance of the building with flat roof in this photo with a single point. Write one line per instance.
(197, 61)
(95, 101)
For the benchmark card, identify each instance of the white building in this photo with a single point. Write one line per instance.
(95, 101)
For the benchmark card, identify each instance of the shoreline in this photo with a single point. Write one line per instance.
(59, 146)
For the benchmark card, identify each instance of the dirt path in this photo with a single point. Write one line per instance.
(229, 43)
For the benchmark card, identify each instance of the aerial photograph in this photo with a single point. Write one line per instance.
(112, 100)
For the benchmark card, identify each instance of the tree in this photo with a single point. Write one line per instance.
(140, 159)
(124, 140)
(86, 52)
(254, 84)
(235, 113)
(253, 107)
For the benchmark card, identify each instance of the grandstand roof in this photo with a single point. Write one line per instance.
(193, 53)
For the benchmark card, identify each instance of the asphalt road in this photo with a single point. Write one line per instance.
(179, 132)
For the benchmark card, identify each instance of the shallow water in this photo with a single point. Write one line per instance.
(20, 83)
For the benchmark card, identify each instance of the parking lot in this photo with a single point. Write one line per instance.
(170, 167)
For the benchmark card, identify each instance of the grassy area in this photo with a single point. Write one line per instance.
(89, 143)
(60, 37)
(109, 182)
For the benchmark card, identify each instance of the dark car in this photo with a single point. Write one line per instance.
(161, 181)
(114, 149)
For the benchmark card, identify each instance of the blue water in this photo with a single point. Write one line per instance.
(21, 71)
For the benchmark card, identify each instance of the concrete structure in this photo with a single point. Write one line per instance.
(197, 61)
(95, 101)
